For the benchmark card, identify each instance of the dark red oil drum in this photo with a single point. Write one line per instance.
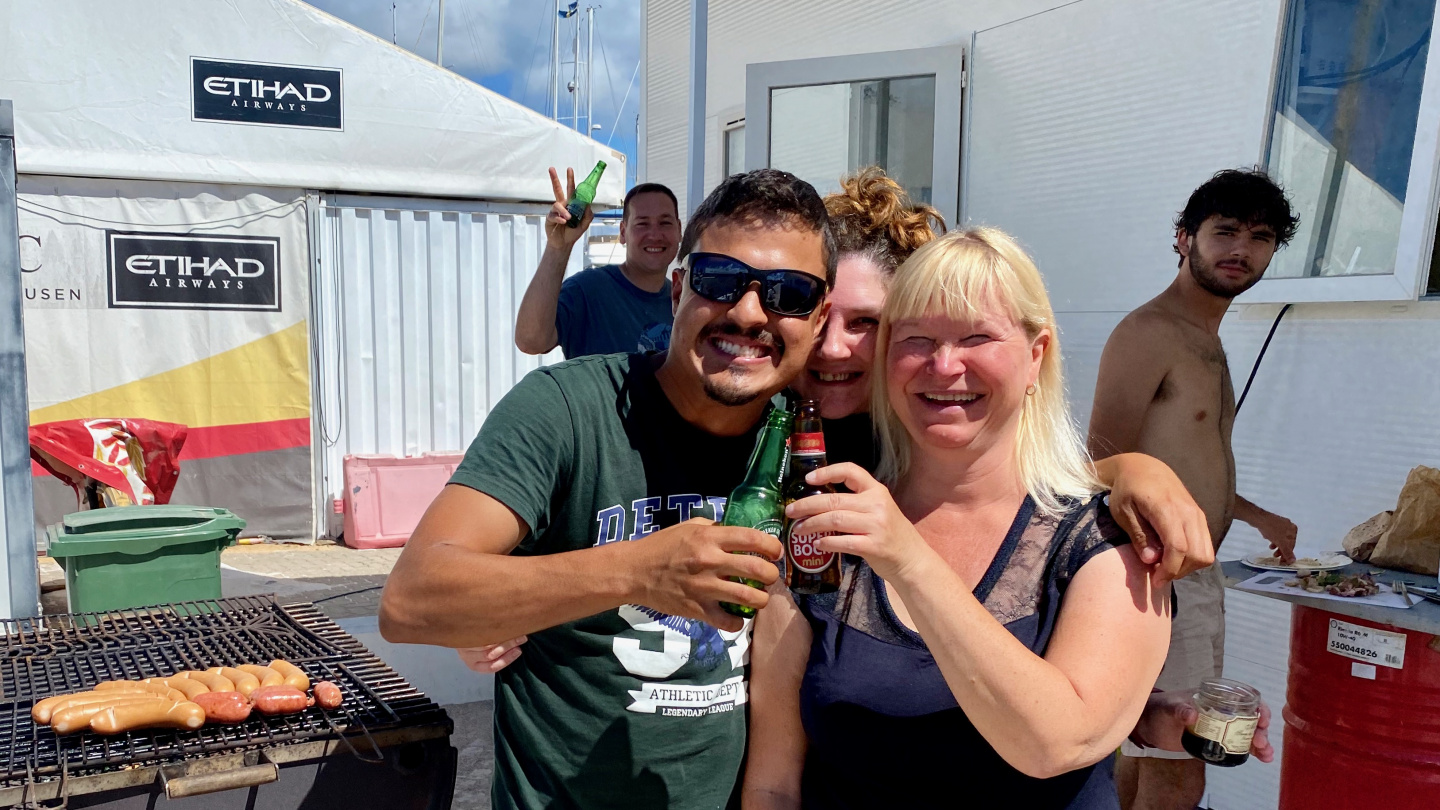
(1360, 732)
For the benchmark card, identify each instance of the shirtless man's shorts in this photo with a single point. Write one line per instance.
(1164, 389)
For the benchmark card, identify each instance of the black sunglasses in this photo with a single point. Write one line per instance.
(724, 279)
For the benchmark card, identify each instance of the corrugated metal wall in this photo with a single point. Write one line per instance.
(666, 90)
(415, 322)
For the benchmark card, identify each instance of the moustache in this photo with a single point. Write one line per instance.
(761, 336)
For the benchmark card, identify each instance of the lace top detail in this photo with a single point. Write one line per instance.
(1037, 548)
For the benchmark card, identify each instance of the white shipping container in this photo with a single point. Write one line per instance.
(414, 323)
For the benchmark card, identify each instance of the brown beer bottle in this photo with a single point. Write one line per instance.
(809, 570)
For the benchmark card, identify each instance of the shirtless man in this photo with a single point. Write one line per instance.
(1164, 389)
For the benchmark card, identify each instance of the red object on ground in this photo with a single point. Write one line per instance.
(139, 457)
(1354, 742)
(386, 496)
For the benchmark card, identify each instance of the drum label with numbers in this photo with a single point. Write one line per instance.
(1366, 644)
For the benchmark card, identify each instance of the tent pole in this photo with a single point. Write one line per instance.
(19, 571)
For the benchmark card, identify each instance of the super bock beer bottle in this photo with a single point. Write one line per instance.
(584, 195)
(756, 503)
(810, 570)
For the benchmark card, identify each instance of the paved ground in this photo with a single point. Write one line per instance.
(345, 584)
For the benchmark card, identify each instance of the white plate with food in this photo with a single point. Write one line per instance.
(1325, 562)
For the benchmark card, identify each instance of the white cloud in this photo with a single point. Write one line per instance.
(505, 45)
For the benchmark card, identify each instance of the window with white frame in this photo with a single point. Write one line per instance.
(822, 119)
(734, 146)
(1355, 110)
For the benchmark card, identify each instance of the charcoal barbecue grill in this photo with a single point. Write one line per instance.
(386, 746)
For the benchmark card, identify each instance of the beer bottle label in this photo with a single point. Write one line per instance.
(771, 527)
(805, 555)
(807, 444)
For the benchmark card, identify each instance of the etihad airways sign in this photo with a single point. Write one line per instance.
(181, 271)
(274, 95)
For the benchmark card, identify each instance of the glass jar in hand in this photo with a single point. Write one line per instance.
(810, 570)
(1229, 711)
(756, 504)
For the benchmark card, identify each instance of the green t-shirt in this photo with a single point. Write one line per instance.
(630, 708)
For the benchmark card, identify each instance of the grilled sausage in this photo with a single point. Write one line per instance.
(294, 676)
(216, 683)
(327, 695)
(245, 683)
(140, 686)
(280, 700)
(267, 676)
(224, 707)
(86, 698)
(76, 718)
(153, 714)
(42, 710)
(185, 686)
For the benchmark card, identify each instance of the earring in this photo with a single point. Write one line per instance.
(1030, 390)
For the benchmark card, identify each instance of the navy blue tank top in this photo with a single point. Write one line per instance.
(884, 727)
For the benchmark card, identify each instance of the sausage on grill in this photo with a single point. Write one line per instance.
(160, 689)
(82, 699)
(185, 686)
(154, 714)
(42, 710)
(245, 683)
(267, 676)
(224, 707)
(280, 700)
(294, 676)
(77, 718)
(216, 683)
(327, 695)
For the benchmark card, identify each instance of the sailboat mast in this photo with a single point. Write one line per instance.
(440, 38)
(590, 73)
(555, 61)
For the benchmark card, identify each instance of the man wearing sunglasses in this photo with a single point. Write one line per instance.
(582, 517)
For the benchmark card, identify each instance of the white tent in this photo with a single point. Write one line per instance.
(387, 214)
(104, 89)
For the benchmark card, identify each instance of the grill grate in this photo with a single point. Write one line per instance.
(55, 655)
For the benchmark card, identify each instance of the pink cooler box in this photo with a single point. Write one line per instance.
(385, 496)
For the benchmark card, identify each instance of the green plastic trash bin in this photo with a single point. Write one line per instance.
(132, 556)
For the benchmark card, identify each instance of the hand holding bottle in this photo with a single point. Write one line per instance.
(864, 521)
(558, 231)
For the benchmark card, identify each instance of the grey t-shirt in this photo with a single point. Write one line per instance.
(601, 312)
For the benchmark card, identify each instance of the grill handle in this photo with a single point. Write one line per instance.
(249, 776)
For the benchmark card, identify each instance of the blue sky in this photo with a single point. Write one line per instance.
(505, 46)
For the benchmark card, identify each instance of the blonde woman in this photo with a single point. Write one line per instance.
(995, 636)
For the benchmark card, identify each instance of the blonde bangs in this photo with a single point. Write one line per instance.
(967, 275)
(960, 279)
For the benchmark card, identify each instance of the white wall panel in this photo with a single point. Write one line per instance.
(416, 303)
(1091, 124)
(746, 31)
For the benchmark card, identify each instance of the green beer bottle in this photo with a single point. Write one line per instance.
(584, 195)
(756, 503)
